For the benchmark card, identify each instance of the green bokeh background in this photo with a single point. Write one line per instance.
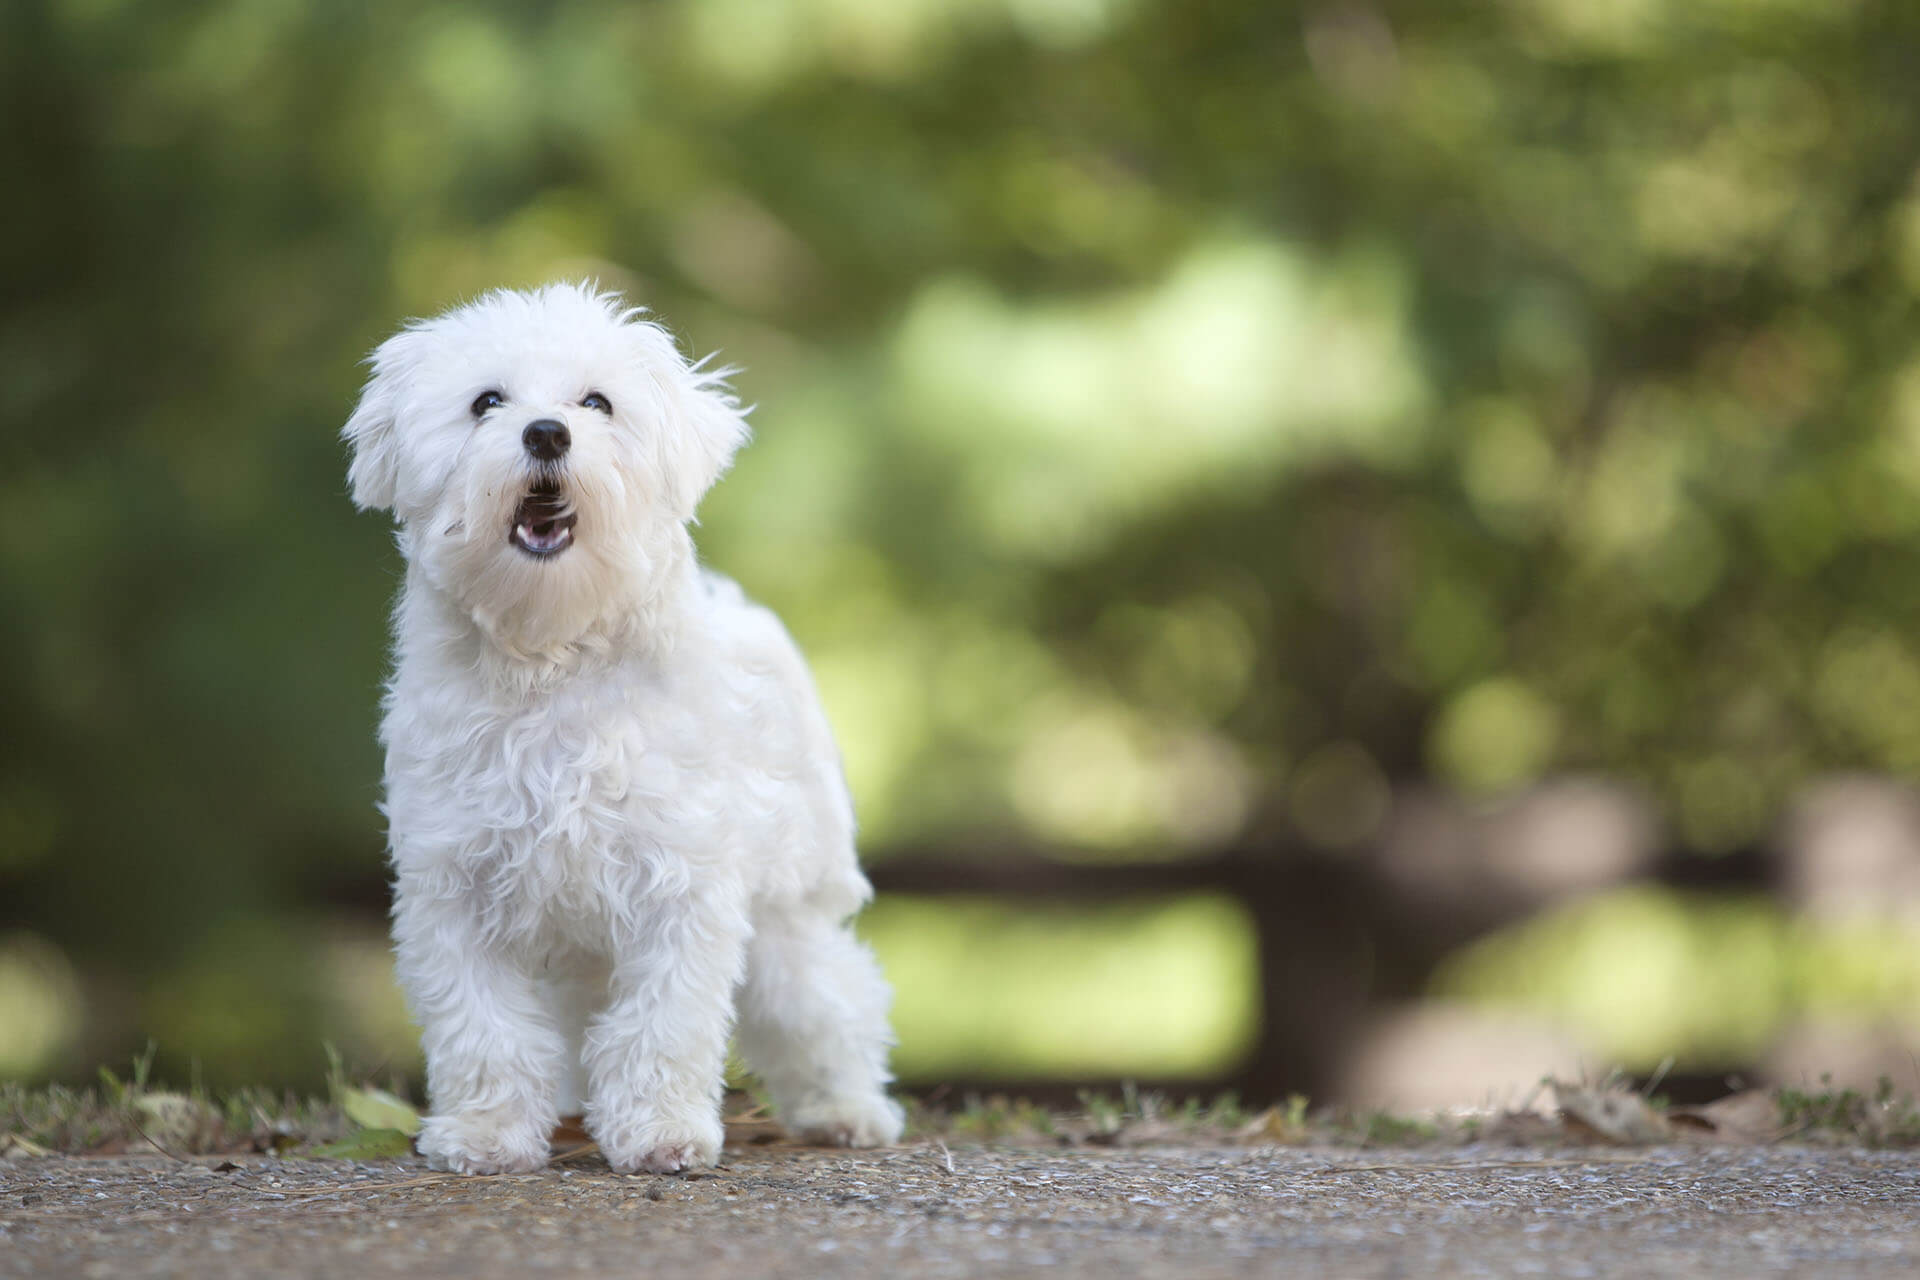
(1174, 419)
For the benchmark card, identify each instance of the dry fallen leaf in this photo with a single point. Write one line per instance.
(1611, 1114)
(15, 1147)
(569, 1131)
(1750, 1116)
(1523, 1129)
(1270, 1125)
(175, 1121)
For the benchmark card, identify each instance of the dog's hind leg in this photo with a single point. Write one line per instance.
(813, 1026)
(575, 990)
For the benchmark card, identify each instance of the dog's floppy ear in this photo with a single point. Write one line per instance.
(713, 426)
(705, 424)
(370, 432)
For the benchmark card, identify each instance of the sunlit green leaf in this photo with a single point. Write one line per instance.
(378, 1109)
(368, 1144)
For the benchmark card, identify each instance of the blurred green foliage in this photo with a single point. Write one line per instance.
(1176, 417)
(986, 989)
(1646, 975)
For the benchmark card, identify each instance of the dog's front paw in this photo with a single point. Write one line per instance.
(670, 1157)
(867, 1120)
(483, 1142)
(663, 1145)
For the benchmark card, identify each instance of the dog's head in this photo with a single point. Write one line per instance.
(543, 452)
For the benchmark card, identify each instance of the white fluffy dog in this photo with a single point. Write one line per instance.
(614, 805)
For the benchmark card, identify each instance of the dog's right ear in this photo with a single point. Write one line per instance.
(371, 432)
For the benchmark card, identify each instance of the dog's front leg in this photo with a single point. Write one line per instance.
(656, 1056)
(493, 1052)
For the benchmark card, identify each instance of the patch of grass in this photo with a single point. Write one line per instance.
(117, 1115)
(1105, 1114)
(1383, 1129)
(1133, 1115)
(996, 1117)
(359, 1121)
(109, 1120)
(1884, 1117)
(1227, 1112)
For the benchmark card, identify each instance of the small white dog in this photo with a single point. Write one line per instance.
(615, 808)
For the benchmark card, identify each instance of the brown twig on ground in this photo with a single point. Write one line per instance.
(153, 1141)
(310, 1192)
(1442, 1167)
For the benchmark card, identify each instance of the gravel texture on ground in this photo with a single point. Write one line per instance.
(971, 1211)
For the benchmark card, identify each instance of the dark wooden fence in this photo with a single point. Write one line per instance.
(1339, 934)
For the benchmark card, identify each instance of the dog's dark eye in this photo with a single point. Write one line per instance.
(594, 400)
(486, 402)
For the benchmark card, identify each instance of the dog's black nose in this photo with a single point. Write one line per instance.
(546, 439)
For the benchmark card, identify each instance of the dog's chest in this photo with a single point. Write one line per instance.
(582, 802)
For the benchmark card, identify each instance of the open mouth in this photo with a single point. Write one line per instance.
(543, 522)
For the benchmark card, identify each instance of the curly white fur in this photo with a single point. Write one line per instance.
(615, 808)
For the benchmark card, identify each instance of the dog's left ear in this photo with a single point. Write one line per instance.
(706, 425)
(370, 433)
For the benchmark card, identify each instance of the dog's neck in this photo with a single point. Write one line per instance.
(519, 651)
